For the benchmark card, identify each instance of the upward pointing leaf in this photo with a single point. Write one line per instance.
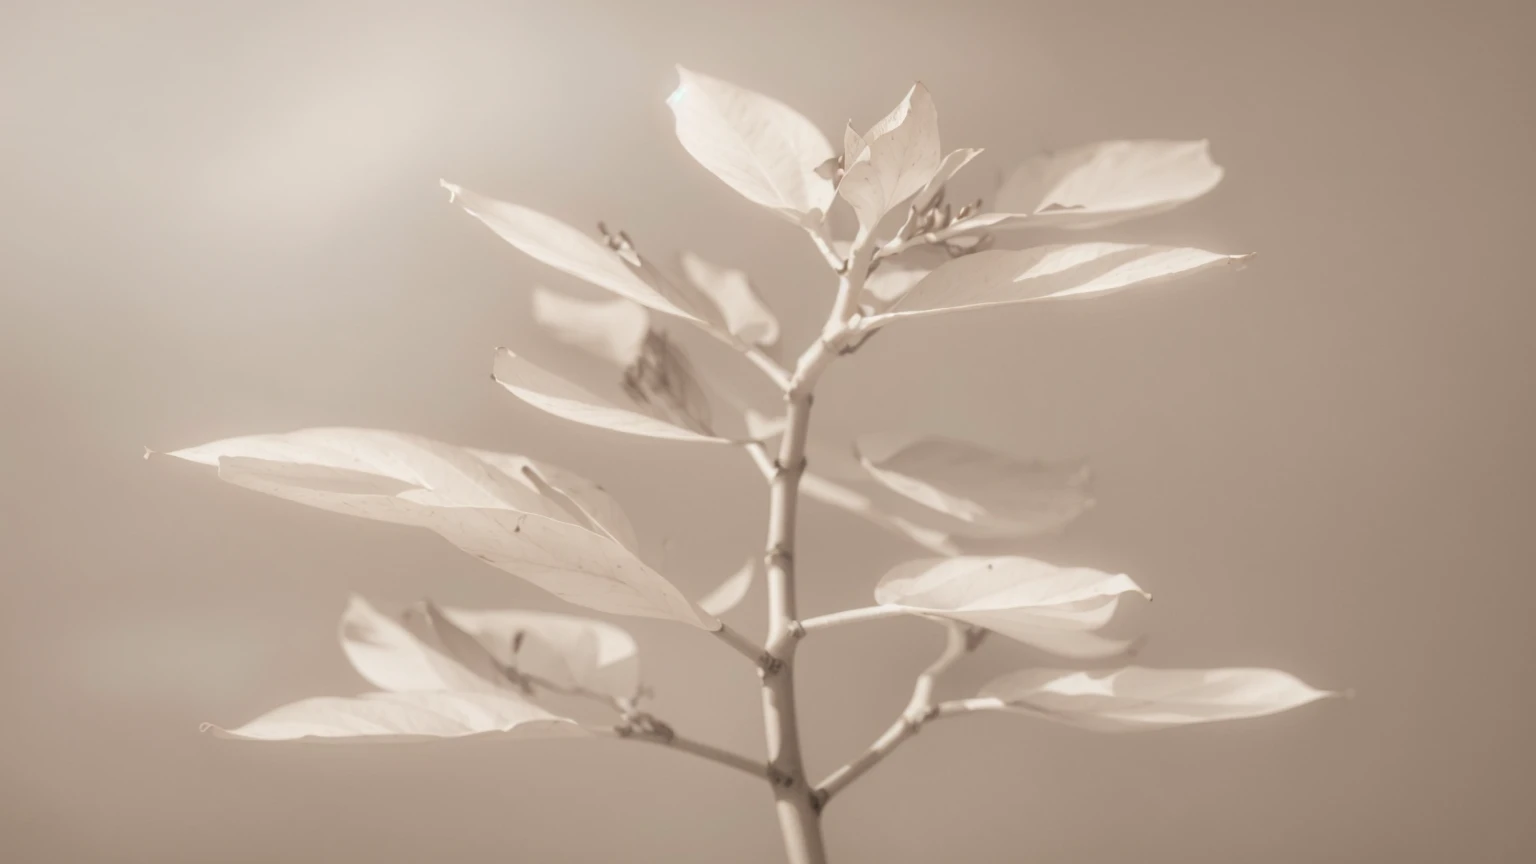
(999, 276)
(1136, 698)
(1104, 183)
(759, 146)
(994, 495)
(1050, 607)
(900, 156)
(560, 246)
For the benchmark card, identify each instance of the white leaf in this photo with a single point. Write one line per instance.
(993, 494)
(953, 162)
(745, 314)
(390, 656)
(565, 248)
(853, 144)
(404, 717)
(998, 276)
(1103, 183)
(593, 501)
(612, 330)
(1050, 607)
(759, 146)
(821, 488)
(500, 517)
(561, 398)
(729, 594)
(1135, 697)
(564, 650)
(900, 156)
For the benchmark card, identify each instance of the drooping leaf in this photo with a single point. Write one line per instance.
(565, 650)
(1103, 183)
(745, 314)
(900, 156)
(1053, 608)
(501, 518)
(393, 657)
(561, 398)
(998, 276)
(565, 248)
(1136, 697)
(819, 487)
(759, 146)
(993, 494)
(612, 330)
(729, 594)
(395, 717)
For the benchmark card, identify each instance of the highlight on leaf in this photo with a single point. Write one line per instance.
(999, 276)
(759, 146)
(518, 521)
(991, 494)
(1136, 698)
(1057, 609)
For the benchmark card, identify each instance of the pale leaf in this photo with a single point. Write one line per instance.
(561, 398)
(745, 314)
(1103, 183)
(593, 502)
(390, 656)
(612, 330)
(900, 156)
(759, 146)
(392, 717)
(993, 494)
(565, 650)
(1134, 697)
(1000, 276)
(729, 594)
(565, 248)
(1053, 608)
(838, 494)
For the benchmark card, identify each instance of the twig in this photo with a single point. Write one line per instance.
(744, 646)
(849, 616)
(687, 745)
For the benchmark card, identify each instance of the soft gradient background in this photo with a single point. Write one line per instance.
(224, 218)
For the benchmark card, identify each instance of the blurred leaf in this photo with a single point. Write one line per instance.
(729, 594)
(612, 330)
(745, 314)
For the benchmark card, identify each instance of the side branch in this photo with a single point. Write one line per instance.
(848, 616)
(666, 738)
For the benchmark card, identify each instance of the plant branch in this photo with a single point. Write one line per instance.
(849, 616)
(744, 646)
(899, 244)
(959, 641)
(668, 738)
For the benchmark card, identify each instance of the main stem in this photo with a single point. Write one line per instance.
(799, 816)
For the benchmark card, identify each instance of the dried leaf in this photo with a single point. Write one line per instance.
(993, 494)
(1135, 697)
(1050, 607)
(759, 146)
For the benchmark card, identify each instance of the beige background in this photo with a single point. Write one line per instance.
(224, 218)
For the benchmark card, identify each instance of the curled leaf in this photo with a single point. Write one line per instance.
(1053, 608)
(759, 146)
(992, 494)
(1135, 698)
(395, 717)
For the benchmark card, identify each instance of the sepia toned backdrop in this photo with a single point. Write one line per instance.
(219, 219)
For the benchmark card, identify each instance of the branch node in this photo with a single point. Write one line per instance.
(796, 629)
(777, 555)
(819, 798)
(780, 777)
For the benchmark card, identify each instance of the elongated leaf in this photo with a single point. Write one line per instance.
(1135, 697)
(561, 398)
(560, 246)
(759, 146)
(565, 650)
(390, 656)
(745, 314)
(546, 540)
(1104, 183)
(993, 494)
(821, 488)
(612, 330)
(998, 276)
(1050, 607)
(900, 156)
(729, 594)
(395, 717)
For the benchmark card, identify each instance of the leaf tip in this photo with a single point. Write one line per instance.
(454, 189)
